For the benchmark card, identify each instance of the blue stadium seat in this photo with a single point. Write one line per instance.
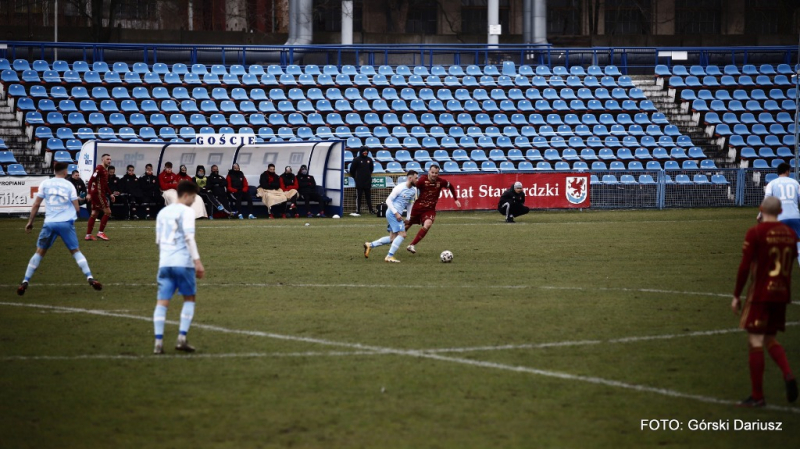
(671, 165)
(660, 154)
(383, 156)
(696, 153)
(610, 180)
(489, 167)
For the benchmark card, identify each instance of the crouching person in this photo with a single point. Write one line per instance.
(512, 203)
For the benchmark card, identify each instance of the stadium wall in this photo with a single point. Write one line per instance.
(668, 189)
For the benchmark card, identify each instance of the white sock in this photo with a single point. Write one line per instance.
(396, 244)
(381, 241)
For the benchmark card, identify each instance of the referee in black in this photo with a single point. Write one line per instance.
(512, 203)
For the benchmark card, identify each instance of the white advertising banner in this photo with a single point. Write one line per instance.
(17, 193)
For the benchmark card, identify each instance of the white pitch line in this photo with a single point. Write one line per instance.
(559, 344)
(373, 286)
(244, 355)
(641, 290)
(423, 355)
(372, 225)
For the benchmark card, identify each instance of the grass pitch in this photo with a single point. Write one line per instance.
(564, 330)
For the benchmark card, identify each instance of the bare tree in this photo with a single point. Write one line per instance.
(94, 11)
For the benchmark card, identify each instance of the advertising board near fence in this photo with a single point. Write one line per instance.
(542, 190)
(18, 192)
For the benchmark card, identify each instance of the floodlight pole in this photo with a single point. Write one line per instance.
(347, 22)
(55, 31)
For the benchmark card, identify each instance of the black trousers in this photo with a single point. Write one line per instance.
(221, 198)
(513, 210)
(308, 197)
(211, 203)
(152, 204)
(125, 206)
(240, 196)
(363, 192)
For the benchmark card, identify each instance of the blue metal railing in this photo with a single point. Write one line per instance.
(628, 59)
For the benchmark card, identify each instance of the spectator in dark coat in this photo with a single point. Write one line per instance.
(239, 190)
(307, 187)
(361, 170)
(80, 186)
(218, 188)
(119, 207)
(130, 191)
(151, 192)
(512, 203)
(289, 188)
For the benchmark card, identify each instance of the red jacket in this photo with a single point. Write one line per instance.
(289, 187)
(167, 181)
(184, 177)
(233, 183)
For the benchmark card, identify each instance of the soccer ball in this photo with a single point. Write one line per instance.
(446, 257)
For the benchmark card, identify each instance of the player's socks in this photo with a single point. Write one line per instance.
(159, 318)
(33, 264)
(90, 225)
(396, 245)
(420, 235)
(757, 372)
(103, 222)
(81, 260)
(779, 356)
(381, 241)
(186, 317)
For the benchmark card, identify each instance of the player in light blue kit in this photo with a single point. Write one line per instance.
(401, 198)
(61, 208)
(786, 189)
(178, 265)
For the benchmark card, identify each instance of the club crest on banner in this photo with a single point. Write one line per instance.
(577, 189)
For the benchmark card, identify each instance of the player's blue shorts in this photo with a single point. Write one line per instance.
(394, 225)
(181, 279)
(793, 223)
(63, 229)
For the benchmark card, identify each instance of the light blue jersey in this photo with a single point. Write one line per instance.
(787, 190)
(58, 195)
(401, 198)
(173, 224)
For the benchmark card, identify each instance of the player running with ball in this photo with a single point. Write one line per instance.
(424, 212)
(401, 198)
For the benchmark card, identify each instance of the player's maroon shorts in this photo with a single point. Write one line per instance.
(422, 217)
(763, 317)
(99, 203)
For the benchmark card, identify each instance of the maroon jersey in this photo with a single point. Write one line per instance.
(429, 193)
(98, 182)
(768, 256)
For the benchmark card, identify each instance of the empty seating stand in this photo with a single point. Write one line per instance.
(496, 115)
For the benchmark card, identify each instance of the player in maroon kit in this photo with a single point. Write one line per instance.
(98, 195)
(424, 211)
(768, 255)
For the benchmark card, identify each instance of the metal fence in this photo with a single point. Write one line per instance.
(668, 189)
(630, 60)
